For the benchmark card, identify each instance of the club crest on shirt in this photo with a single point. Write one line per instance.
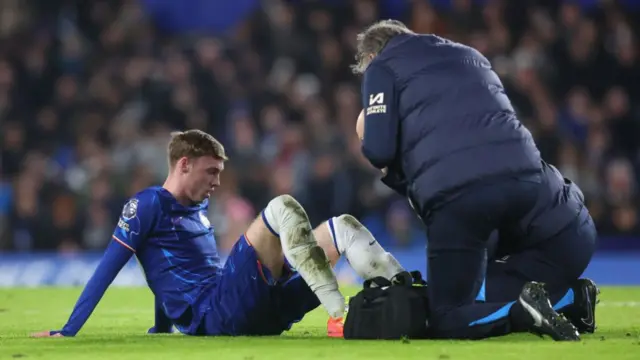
(130, 209)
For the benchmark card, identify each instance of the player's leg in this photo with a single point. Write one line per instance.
(458, 233)
(284, 228)
(339, 236)
(246, 299)
(558, 262)
(240, 300)
(345, 236)
(342, 235)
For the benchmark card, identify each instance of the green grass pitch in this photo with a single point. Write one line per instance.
(117, 330)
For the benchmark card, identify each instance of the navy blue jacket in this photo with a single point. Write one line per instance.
(437, 116)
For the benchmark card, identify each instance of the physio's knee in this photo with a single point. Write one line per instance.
(442, 324)
(436, 325)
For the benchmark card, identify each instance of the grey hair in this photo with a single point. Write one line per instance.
(373, 39)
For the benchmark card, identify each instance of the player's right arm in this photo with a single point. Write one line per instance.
(162, 324)
(136, 221)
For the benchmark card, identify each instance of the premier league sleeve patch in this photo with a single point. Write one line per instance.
(130, 209)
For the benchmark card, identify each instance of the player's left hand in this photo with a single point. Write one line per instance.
(47, 333)
(154, 330)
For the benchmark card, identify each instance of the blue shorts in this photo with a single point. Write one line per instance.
(247, 300)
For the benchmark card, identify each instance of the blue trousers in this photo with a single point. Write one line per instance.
(471, 298)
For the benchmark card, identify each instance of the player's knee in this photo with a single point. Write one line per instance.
(346, 231)
(349, 229)
(349, 222)
(284, 209)
(267, 227)
(342, 231)
(287, 203)
(285, 198)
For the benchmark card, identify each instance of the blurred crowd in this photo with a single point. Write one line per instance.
(89, 91)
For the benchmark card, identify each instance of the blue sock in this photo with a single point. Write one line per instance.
(565, 301)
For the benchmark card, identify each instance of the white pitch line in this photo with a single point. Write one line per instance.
(620, 303)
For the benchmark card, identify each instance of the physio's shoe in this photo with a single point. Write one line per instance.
(582, 313)
(335, 328)
(546, 321)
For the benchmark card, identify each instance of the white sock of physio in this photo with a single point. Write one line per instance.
(286, 217)
(365, 255)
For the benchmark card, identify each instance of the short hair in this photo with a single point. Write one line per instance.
(373, 39)
(193, 144)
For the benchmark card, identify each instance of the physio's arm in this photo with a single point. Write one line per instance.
(380, 140)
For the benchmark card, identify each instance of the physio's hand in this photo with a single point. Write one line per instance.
(360, 125)
(385, 171)
(47, 333)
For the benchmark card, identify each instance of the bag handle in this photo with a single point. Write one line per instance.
(378, 280)
(406, 278)
(402, 279)
(417, 278)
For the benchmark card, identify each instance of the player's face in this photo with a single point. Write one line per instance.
(204, 177)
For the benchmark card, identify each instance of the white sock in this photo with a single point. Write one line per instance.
(286, 217)
(365, 255)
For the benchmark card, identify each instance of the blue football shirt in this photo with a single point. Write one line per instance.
(176, 249)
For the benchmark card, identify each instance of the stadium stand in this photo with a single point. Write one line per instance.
(89, 91)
